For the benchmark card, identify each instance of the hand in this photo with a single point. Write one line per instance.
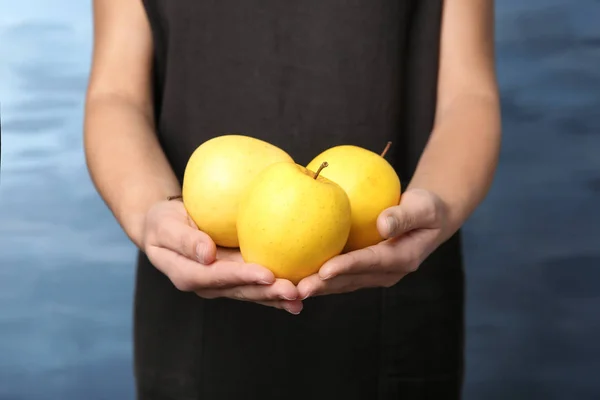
(412, 231)
(189, 258)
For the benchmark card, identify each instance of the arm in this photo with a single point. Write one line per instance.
(453, 174)
(133, 176)
(459, 161)
(123, 155)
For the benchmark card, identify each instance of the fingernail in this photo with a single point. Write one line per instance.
(287, 298)
(392, 225)
(306, 296)
(201, 253)
(325, 274)
(289, 309)
(265, 279)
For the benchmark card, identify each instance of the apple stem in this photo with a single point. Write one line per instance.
(325, 164)
(387, 147)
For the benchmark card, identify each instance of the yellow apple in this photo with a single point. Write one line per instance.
(371, 184)
(291, 220)
(217, 174)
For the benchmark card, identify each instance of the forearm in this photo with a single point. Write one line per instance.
(126, 163)
(459, 161)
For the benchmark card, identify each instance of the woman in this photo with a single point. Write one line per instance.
(305, 76)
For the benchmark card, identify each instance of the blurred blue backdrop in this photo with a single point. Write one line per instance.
(533, 248)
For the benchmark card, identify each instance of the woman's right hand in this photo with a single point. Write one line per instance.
(191, 260)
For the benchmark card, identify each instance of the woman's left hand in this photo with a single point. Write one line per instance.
(413, 230)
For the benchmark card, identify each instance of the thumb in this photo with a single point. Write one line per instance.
(394, 221)
(187, 241)
(417, 209)
(205, 249)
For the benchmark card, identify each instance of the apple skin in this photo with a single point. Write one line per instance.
(292, 223)
(371, 183)
(216, 176)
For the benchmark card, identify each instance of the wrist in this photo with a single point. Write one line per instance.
(451, 209)
(135, 206)
(134, 225)
(454, 217)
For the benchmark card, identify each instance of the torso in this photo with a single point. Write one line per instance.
(305, 76)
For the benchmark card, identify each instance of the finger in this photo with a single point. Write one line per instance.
(314, 286)
(368, 260)
(400, 254)
(187, 241)
(187, 275)
(282, 289)
(282, 295)
(293, 307)
(413, 212)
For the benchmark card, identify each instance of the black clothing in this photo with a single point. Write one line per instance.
(304, 75)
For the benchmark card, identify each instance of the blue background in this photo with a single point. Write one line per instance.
(533, 248)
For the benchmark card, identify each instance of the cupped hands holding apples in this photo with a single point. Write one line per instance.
(256, 226)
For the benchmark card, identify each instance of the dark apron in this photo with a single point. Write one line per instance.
(304, 75)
